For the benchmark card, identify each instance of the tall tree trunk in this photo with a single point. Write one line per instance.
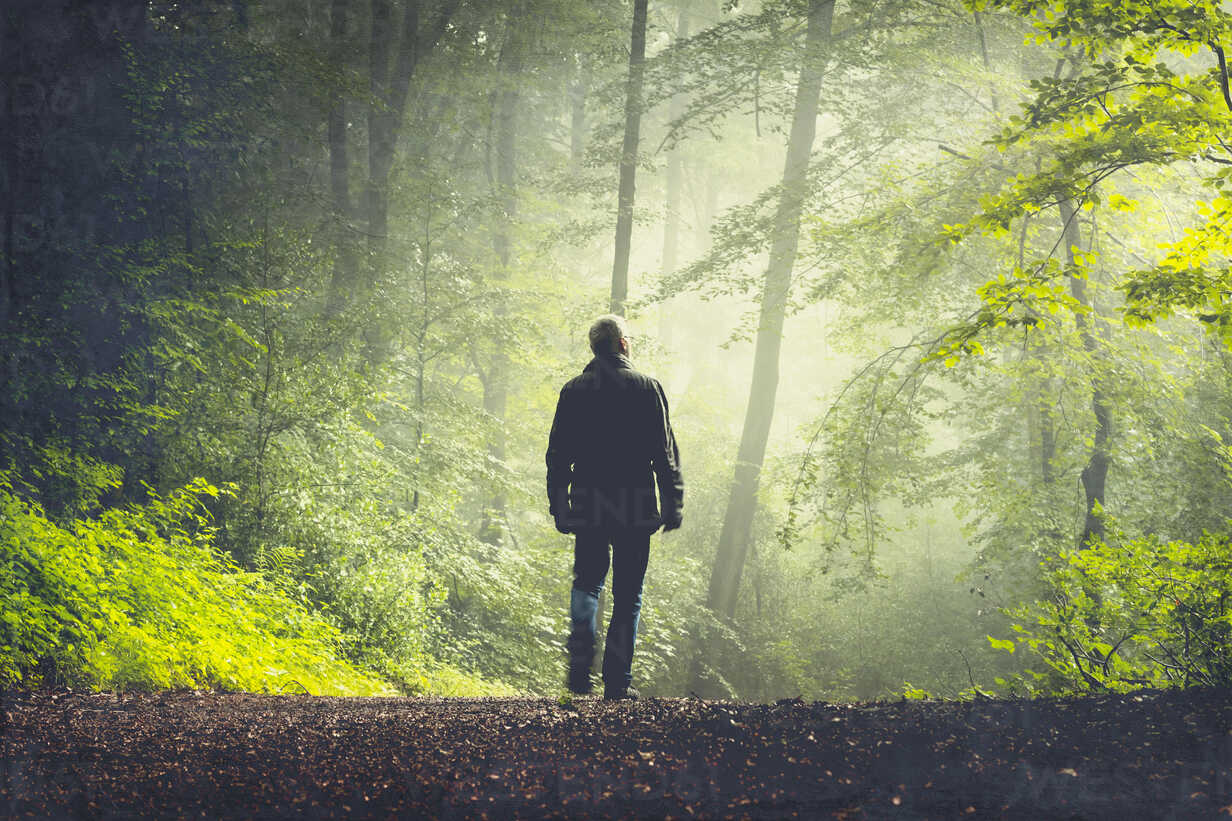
(671, 218)
(1095, 474)
(389, 87)
(421, 340)
(737, 522)
(705, 198)
(992, 91)
(1041, 428)
(1048, 443)
(10, 42)
(343, 278)
(496, 386)
(628, 159)
(577, 112)
(382, 128)
(12, 136)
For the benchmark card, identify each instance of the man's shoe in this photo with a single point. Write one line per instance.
(620, 694)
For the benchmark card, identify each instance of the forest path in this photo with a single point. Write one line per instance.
(85, 755)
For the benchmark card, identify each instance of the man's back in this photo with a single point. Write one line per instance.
(611, 440)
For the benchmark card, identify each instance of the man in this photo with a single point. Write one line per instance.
(610, 434)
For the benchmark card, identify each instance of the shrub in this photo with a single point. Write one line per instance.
(1131, 613)
(140, 598)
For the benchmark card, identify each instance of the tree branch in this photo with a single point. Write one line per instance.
(1223, 74)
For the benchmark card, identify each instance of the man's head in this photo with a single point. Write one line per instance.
(607, 335)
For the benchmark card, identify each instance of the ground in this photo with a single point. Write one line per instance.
(178, 754)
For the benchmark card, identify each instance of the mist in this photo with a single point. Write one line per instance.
(936, 293)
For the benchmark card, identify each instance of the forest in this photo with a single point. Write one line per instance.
(938, 292)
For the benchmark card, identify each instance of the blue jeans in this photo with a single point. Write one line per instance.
(630, 553)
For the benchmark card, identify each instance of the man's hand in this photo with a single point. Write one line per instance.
(562, 523)
(672, 522)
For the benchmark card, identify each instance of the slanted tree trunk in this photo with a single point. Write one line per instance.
(628, 159)
(1095, 473)
(496, 385)
(737, 522)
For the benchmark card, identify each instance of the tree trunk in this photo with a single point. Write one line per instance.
(737, 522)
(1041, 430)
(1048, 444)
(496, 386)
(389, 87)
(992, 91)
(705, 206)
(1095, 474)
(628, 159)
(672, 184)
(343, 278)
(577, 113)
(382, 128)
(10, 42)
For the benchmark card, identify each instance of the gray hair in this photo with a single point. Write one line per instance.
(606, 333)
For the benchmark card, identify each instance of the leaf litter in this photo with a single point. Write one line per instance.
(179, 754)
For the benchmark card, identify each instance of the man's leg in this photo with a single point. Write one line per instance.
(630, 554)
(590, 563)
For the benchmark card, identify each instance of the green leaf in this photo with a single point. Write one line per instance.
(1001, 644)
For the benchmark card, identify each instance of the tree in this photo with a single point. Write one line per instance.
(737, 521)
(504, 128)
(393, 54)
(628, 159)
(674, 173)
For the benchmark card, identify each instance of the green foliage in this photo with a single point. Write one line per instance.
(140, 598)
(1001, 644)
(1135, 85)
(203, 288)
(1132, 612)
(57, 476)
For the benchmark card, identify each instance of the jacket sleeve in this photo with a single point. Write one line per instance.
(665, 459)
(560, 458)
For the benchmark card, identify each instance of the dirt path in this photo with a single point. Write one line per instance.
(81, 755)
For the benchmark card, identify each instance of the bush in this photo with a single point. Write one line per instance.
(1133, 613)
(141, 598)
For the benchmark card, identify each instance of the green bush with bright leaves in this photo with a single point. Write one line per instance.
(139, 598)
(1130, 613)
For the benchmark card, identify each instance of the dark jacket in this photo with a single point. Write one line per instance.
(610, 434)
